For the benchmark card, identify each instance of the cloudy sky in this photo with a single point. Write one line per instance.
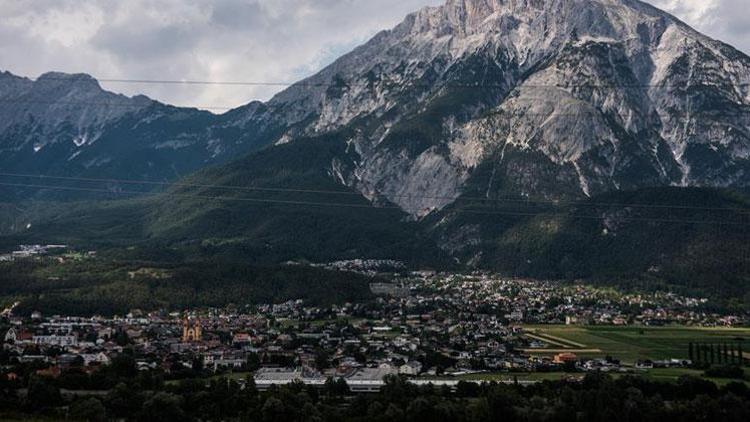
(232, 40)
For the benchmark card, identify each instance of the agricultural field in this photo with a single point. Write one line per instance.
(630, 344)
(657, 374)
(520, 376)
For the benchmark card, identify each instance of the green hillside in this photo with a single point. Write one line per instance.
(284, 203)
(107, 286)
(259, 226)
(692, 239)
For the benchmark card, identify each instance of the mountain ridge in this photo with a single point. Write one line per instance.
(67, 125)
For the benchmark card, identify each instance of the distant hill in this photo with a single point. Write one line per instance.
(109, 287)
(63, 125)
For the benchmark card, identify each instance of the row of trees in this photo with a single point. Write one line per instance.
(703, 353)
(597, 398)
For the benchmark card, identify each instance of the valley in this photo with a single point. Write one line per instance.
(505, 210)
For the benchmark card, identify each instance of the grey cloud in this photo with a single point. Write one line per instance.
(131, 43)
(230, 14)
(732, 24)
(725, 20)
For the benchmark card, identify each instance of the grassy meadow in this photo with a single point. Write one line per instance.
(631, 344)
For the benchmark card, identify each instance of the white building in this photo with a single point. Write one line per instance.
(412, 368)
(10, 336)
(54, 340)
(95, 359)
(516, 315)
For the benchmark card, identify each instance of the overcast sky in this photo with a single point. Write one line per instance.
(232, 40)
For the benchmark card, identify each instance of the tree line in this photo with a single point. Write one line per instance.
(712, 354)
(598, 397)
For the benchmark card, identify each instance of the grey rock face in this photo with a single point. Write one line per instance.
(603, 94)
(57, 104)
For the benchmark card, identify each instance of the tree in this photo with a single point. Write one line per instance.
(706, 358)
(43, 395)
(375, 411)
(395, 389)
(713, 354)
(394, 413)
(122, 401)
(728, 353)
(197, 364)
(253, 361)
(321, 360)
(78, 362)
(736, 358)
(164, 407)
(274, 410)
(479, 411)
(250, 388)
(341, 388)
(501, 403)
(89, 410)
(420, 410)
(740, 354)
(124, 366)
(121, 338)
(725, 371)
(467, 389)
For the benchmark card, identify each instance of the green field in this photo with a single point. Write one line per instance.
(630, 344)
(659, 374)
(521, 376)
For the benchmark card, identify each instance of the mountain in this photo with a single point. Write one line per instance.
(542, 137)
(67, 126)
(565, 98)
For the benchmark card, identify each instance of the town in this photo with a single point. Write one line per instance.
(30, 251)
(425, 326)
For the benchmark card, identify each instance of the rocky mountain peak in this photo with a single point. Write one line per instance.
(60, 79)
(70, 86)
(567, 97)
(539, 22)
(58, 108)
(11, 84)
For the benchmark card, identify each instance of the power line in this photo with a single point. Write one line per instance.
(111, 104)
(221, 198)
(370, 206)
(179, 184)
(350, 193)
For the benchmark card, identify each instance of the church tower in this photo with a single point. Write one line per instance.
(191, 330)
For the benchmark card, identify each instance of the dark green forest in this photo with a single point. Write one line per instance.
(132, 396)
(108, 287)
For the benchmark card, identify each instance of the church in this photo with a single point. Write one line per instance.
(191, 330)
